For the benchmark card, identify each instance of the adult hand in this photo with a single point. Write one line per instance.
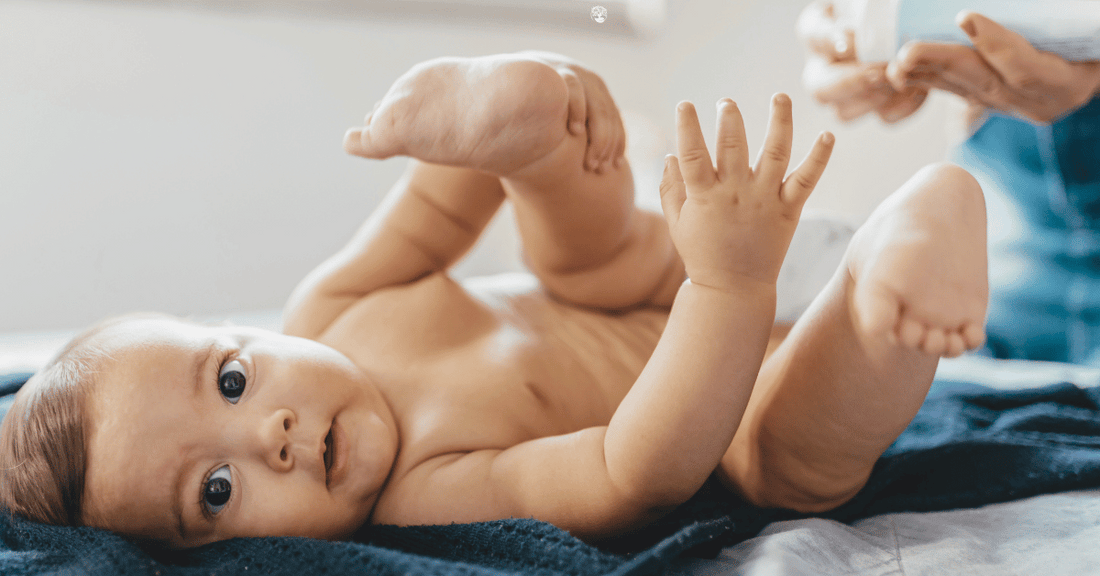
(1001, 71)
(837, 79)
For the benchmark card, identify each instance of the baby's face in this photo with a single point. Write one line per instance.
(199, 434)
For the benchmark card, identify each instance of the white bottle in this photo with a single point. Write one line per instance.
(1069, 28)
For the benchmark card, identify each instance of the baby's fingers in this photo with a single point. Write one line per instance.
(673, 192)
(732, 148)
(577, 105)
(601, 138)
(694, 159)
(797, 186)
(775, 156)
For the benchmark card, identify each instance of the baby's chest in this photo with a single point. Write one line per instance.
(472, 370)
(494, 395)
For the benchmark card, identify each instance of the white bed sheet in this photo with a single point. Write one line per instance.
(1048, 535)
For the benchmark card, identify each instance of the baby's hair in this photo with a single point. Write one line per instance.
(43, 440)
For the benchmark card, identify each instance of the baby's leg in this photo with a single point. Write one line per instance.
(857, 365)
(506, 115)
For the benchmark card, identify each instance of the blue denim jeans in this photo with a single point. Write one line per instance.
(1042, 186)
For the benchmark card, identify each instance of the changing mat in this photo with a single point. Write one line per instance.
(968, 446)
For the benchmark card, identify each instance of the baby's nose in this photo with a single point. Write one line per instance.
(274, 439)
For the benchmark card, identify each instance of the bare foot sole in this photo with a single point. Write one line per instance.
(494, 113)
(920, 267)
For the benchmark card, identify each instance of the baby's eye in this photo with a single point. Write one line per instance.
(217, 489)
(231, 381)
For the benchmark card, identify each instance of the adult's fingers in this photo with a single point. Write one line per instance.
(846, 83)
(851, 89)
(848, 111)
(902, 104)
(694, 159)
(924, 60)
(1011, 56)
(954, 68)
(1043, 85)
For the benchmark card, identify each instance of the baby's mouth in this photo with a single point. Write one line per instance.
(328, 455)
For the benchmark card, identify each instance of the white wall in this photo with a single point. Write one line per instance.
(189, 161)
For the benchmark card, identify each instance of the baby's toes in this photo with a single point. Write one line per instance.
(955, 344)
(911, 333)
(370, 115)
(973, 335)
(935, 342)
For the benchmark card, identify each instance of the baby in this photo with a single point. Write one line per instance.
(597, 398)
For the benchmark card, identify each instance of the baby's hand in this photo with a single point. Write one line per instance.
(591, 110)
(735, 223)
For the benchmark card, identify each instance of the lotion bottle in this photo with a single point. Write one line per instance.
(1069, 28)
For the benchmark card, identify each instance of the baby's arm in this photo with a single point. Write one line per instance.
(732, 227)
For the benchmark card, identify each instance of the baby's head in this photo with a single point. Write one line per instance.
(169, 431)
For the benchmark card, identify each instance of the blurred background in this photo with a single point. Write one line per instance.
(186, 157)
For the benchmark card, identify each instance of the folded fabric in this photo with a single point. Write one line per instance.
(968, 446)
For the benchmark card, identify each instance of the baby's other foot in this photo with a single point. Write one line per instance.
(920, 266)
(493, 113)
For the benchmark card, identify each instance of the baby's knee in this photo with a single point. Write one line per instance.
(953, 177)
(800, 495)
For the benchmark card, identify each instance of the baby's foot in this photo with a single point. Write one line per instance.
(919, 264)
(495, 113)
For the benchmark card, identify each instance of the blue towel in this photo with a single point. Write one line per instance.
(968, 446)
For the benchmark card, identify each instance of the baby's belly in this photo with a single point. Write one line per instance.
(604, 351)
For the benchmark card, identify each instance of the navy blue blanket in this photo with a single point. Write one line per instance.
(968, 446)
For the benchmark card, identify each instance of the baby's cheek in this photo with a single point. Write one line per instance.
(290, 509)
